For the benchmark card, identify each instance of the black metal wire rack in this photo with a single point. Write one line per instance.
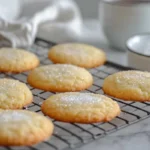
(72, 135)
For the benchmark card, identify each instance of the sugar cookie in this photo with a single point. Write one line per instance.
(17, 60)
(60, 78)
(77, 54)
(14, 94)
(128, 85)
(80, 107)
(23, 128)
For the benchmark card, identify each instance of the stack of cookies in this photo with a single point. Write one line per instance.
(68, 75)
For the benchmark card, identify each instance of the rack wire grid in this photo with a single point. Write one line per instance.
(72, 135)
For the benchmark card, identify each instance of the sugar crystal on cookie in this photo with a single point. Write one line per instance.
(13, 116)
(81, 98)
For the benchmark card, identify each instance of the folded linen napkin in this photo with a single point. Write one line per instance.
(61, 14)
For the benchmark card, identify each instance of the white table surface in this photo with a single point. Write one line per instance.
(135, 137)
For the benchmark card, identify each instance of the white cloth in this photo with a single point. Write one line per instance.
(62, 15)
(53, 20)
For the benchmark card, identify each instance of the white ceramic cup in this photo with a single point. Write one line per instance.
(138, 54)
(120, 21)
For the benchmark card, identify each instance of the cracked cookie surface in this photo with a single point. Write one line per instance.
(78, 107)
(82, 55)
(128, 85)
(23, 128)
(17, 60)
(60, 78)
(14, 94)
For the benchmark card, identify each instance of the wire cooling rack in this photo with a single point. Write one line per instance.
(71, 135)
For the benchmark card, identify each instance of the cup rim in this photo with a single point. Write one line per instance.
(132, 50)
(124, 2)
